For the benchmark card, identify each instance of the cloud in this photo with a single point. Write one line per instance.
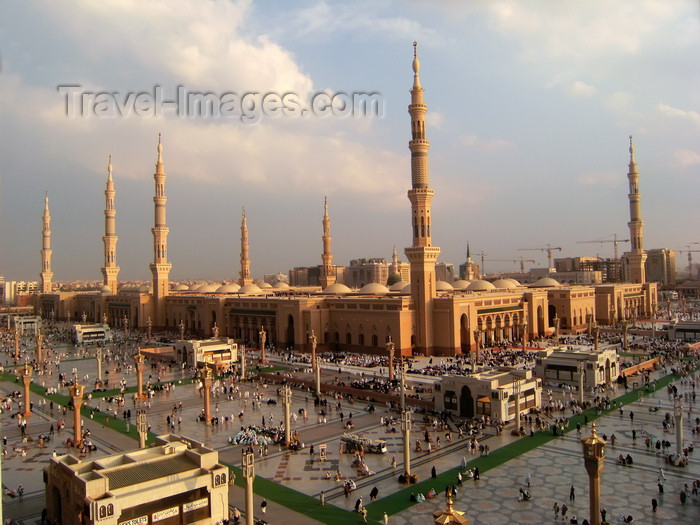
(605, 178)
(581, 90)
(486, 146)
(684, 158)
(670, 112)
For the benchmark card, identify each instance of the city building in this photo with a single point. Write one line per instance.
(660, 267)
(557, 366)
(221, 352)
(176, 481)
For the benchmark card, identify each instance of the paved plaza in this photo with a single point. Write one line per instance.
(493, 499)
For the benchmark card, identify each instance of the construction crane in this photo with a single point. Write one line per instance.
(548, 249)
(482, 254)
(690, 258)
(523, 260)
(614, 240)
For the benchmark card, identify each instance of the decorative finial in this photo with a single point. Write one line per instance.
(416, 62)
(109, 166)
(631, 147)
(160, 146)
(593, 431)
(243, 213)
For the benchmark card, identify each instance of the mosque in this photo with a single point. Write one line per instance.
(424, 316)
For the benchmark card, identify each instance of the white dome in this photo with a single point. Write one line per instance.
(228, 288)
(516, 283)
(208, 288)
(461, 284)
(144, 288)
(264, 285)
(479, 285)
(503, 283)
(443, 286)
(106, 289)
(281, 285)
(546, 282)
(397, 287)
(374, 289)
(336, 289)
(181, 287)
(250, 289)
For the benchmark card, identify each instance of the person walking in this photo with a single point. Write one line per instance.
(572, 494)
(528, 479)
(603, 513)
(358, 504)
(263, 506)
(433, 472)
(555, 508)
(364, 515)
(386, 519)
(373, 494)
(20, 492)
(654, 504)
(322, 497)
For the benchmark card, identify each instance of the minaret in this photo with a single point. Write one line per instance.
(421, 255)
(110, 269)
(395, 262)
(245, 261)
(633, 261)
(46, 273)
(160, 267)
(327, 274)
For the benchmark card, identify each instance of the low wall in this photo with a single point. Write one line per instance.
(646, 365)
(357, 393)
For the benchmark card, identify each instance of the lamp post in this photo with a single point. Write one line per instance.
(318, 375)
(556, 329)
(593, 458)
(625, 327)
(524, 330)
(449, 516)
(241, 350)
(139, 362)
(612, 315)
(76, 394)
(653, 323)
(99, 363)
(150, 326)
(475, 355)
(249, 476)
(126, 326)
(263, 338)
(16, 343)
(182, 330)
(390, 349)
(516, 395)
(39, 343)
(312, 340)
(589, 322)
(581, 366)
(678, 415)
(141, 427)
(596, 336)
(205, 375)
(287, 401)
(27, 380)
(405, 426)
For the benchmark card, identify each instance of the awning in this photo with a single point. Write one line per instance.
(484, 400)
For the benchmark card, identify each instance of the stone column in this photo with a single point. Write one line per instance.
(206, 382)
(150, 326)
(581, 373)
(678, 415)
(241, 350)
(16, 342)
(390, 349)
(249, 476)
(406, 429)
(141, 427)
(593, 456)
(263, 338)
(516, 395)
(475, 355)
(524, 334)
(287, 400)
(625, 327)
(139, 362)
(596, 337)
(312, 340)
(589, 321)
(39, 353)
(76, 394)
(182, 330)
(99, 363)
(27, 380)
(556, 329)
(318, 375)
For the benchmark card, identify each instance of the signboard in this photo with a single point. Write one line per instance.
(194, 505)
(163, 514)
(142, 520)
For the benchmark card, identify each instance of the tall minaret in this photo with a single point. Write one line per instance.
(110, 269)
(395, 261)
(327, 273)
(245, 261)
(46, 273)
(421, 255)
(160, 267)
(633, 261)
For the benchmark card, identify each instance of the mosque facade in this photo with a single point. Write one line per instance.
(423, 315)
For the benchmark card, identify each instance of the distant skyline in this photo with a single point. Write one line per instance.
(530, 105)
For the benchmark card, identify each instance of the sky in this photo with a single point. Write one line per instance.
(530, 105)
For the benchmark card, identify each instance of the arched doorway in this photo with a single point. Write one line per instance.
(290, 331)
(466, 403)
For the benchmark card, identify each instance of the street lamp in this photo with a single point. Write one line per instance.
(390, 349)
(249, 475)
(475, 354)
(678, 414)
(593, 457)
